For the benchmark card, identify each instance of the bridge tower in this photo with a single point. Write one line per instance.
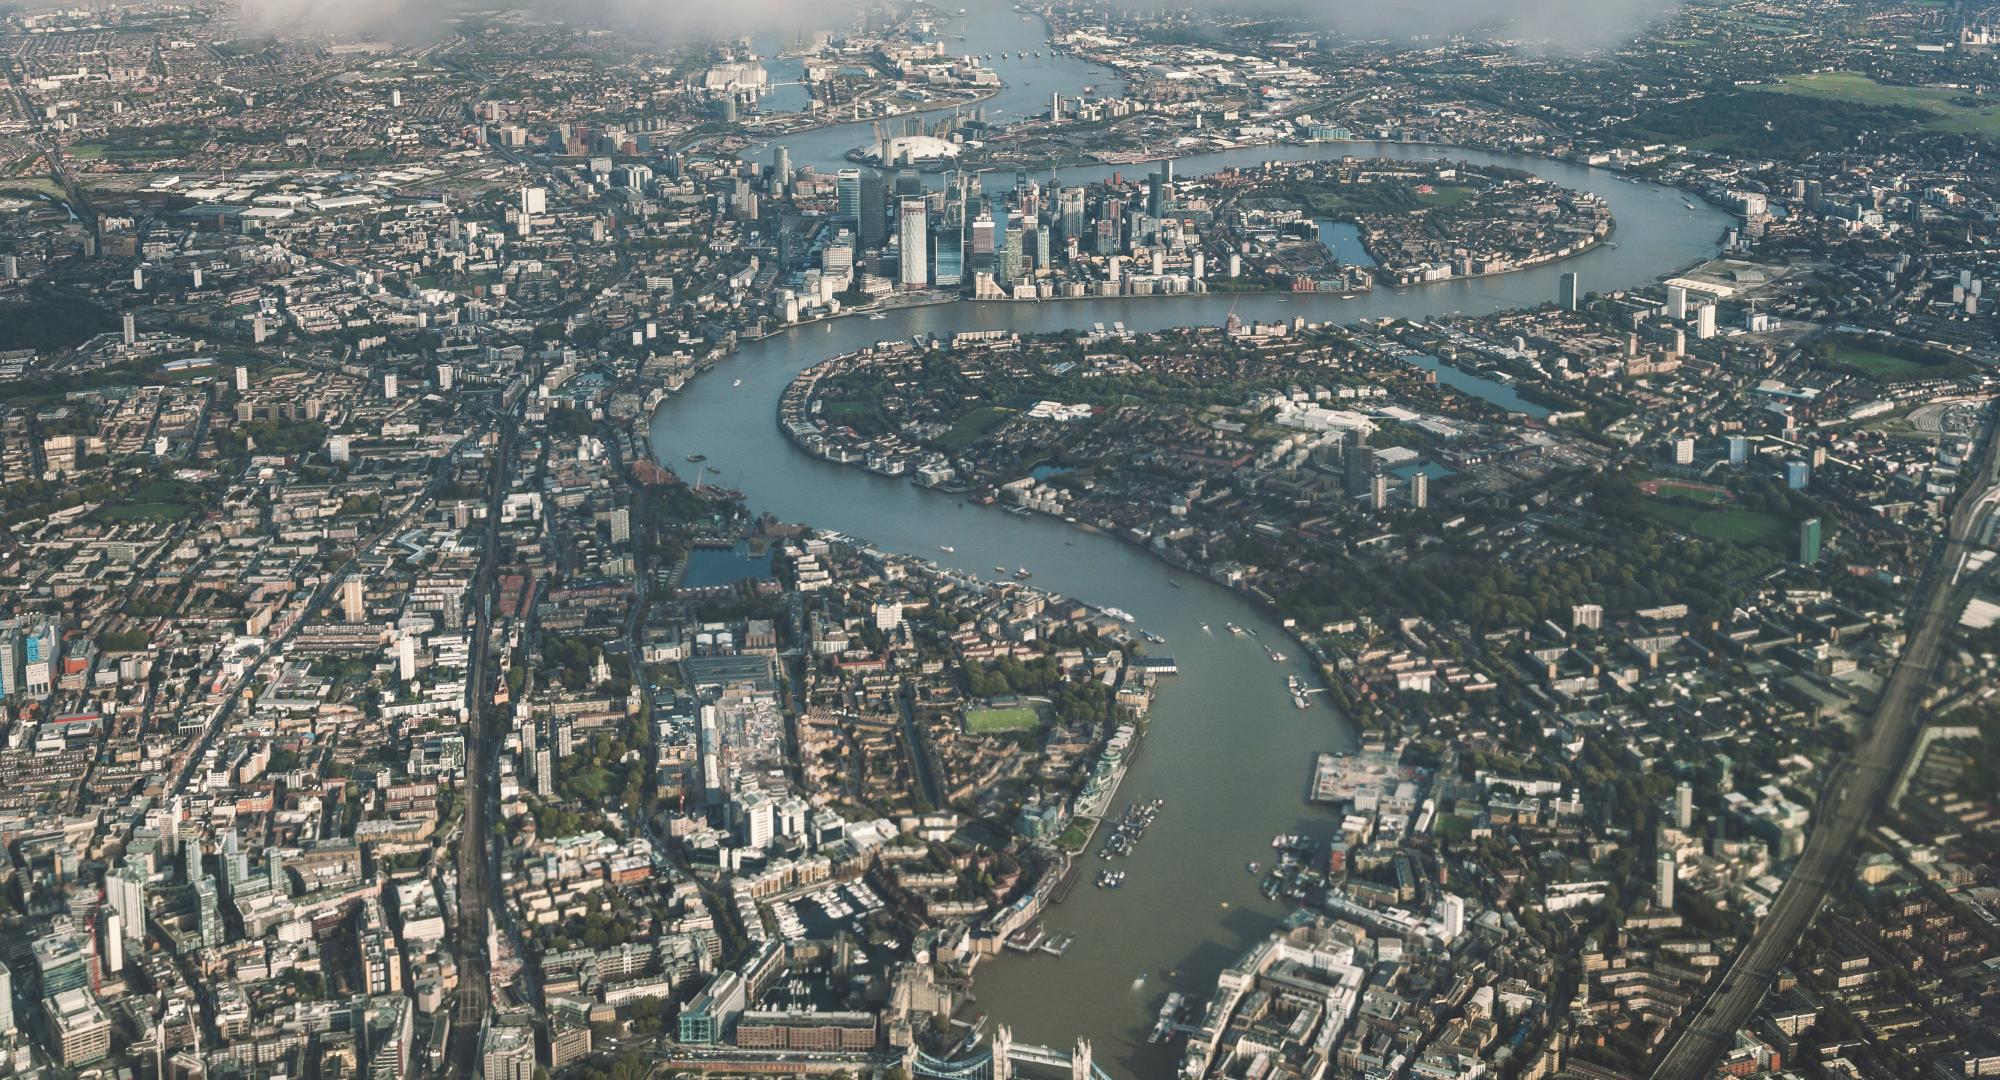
(1079, 1062)
(910, 1058)
(1003, 1045)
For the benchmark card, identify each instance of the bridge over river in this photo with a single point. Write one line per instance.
(1001, 1058)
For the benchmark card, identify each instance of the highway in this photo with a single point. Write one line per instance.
(1854, 792)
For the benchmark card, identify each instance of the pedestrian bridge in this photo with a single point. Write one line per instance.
(1000, 1058)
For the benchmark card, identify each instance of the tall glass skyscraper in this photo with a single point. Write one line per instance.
(847, 194)
(874, 227)
(913, 236)
(949, 267)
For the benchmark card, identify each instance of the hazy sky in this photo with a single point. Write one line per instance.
(1563, 23)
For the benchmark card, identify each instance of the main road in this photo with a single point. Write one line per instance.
(1856, 789)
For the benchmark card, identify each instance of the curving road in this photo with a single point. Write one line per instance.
(1856, 788)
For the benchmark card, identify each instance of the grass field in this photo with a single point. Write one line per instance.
(972, 427)
(1074, 837)
(846, 412)
(1734, 526)
(104, 152)
(989, 721)
(1952, 110)
(30, 185)
(1329, 203)
(1881, 365)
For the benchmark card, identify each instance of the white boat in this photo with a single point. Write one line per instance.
(738, 382)
(1163, 1027)
(1205, 629)
(947, 549)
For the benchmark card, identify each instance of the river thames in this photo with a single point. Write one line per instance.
(1226, 748)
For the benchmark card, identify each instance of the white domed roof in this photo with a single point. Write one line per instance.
(914, 148)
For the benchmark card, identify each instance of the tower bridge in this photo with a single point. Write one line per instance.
(1001, 1057)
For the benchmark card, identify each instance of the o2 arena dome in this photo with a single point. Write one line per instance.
(910, 150)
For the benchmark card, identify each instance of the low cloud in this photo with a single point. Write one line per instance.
(1557, 24)
(399, 19)
(1578, 24)
(422, 19)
